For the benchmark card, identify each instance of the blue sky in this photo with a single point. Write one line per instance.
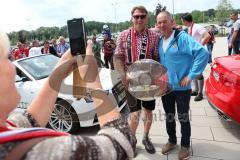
(31, 14)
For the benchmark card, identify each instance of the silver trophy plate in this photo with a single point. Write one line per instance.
(147, 79)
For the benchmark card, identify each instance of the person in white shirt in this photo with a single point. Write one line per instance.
(235, 38)
(201, 35)
(35, 50)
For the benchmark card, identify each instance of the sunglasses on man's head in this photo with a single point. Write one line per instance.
(139, 16)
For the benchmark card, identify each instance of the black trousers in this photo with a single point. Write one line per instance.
(182, 99)
(109, 59)
(229, 51)
(236, 47)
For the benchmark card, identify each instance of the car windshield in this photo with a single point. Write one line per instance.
(39, 67)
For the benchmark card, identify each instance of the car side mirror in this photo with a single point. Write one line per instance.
(20, 79)
(24, 79)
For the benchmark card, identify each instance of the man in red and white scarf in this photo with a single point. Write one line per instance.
(134, 44)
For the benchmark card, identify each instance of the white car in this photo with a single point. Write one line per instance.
(70, 113)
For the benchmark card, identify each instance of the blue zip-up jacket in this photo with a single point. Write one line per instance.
(184, 57)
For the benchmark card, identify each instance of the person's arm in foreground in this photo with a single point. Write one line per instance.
(43, 105)
(88, 70)
(113, 141)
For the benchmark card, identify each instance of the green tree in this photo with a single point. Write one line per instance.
(178, 18)
(223, 9)
(124, 25)
(63, 31)
(22, 36)
(211, 14)
(93, 26)
(199, 17)
(152, 19)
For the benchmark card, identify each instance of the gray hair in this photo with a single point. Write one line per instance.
(168, 14)
(4, 45)
(61, 37)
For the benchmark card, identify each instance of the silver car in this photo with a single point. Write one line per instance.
(69, 113)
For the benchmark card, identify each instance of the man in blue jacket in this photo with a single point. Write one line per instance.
(184, 59)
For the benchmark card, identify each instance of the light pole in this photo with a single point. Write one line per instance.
(173, 9)
(115, 15)
(29, 26)
(203, 16)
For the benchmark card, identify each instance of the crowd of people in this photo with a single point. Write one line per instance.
(184, 54)
(27, 49)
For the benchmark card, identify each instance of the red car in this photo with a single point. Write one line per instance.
(223, 87)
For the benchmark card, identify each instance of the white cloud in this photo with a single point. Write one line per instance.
(31, 14)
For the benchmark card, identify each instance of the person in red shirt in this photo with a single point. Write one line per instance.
(20, 52)
(108, 50)
(210, 43)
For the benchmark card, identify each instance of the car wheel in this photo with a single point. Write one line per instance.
(64, 118)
